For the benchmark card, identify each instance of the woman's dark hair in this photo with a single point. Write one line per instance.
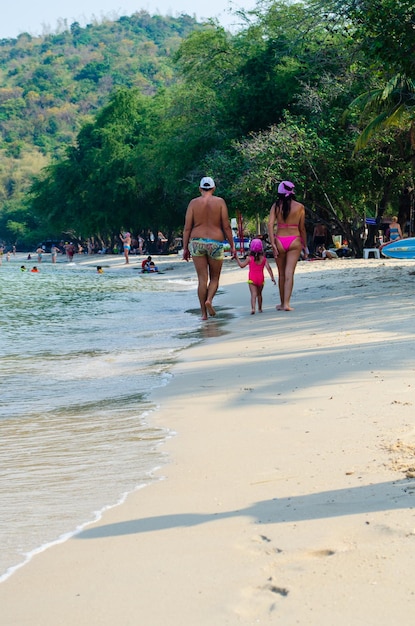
(284, 204)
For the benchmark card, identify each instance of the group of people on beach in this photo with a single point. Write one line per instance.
(207, 226)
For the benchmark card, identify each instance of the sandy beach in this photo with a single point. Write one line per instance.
(290, 489)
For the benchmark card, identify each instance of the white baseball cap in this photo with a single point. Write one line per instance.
(207, 183)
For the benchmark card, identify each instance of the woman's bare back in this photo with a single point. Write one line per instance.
(295, 216)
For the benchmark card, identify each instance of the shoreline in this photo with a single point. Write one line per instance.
(285, 498)
(53, 518)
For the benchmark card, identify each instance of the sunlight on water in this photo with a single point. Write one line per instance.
(79, 354)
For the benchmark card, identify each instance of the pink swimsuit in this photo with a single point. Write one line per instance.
(256, 272)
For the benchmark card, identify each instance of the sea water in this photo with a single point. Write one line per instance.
(79, 354)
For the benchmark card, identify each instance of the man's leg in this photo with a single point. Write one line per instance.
(215, 268)
(201, 266)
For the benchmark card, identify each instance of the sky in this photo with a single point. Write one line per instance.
(39, 17)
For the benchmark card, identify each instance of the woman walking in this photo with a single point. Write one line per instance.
(287, 234)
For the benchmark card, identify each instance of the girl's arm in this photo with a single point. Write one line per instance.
(243, 263)
(271, 273)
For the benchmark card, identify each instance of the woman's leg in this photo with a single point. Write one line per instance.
(291, 260)
(280, 261)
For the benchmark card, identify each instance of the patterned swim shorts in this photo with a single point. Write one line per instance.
(207, 247)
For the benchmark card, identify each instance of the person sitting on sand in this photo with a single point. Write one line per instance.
(205, 229)
(322, 253)
(288, 240)
(256, 261)
(146, 264)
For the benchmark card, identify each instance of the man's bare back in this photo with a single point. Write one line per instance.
(209, 217)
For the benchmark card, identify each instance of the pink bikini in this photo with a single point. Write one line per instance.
(286, 241)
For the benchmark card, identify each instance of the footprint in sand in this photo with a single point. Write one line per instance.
(258, 601)
(321, 553)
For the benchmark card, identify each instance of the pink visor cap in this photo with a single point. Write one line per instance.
(256, 246)
(286, 188)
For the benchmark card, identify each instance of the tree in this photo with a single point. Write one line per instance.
(95, 188)
(383, 29)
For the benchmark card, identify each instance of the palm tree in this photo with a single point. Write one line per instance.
(392, 105)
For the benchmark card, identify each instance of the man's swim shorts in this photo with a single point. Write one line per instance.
(207, 247)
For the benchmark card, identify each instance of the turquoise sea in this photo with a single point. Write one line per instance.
(79, 354)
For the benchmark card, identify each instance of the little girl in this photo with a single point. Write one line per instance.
(257, 261)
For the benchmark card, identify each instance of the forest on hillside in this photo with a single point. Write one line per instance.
(50, 86)
(118, 122)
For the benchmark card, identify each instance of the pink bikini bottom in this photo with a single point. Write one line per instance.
(286, 241)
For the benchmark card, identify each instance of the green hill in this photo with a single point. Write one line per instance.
(51, 85)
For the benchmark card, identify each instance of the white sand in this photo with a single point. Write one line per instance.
(286, 500)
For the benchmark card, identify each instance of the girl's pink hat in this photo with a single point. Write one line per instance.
(286, 188)
(256, 245)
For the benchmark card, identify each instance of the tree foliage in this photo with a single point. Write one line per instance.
(53, 85)
(250, 108)
(384, 29)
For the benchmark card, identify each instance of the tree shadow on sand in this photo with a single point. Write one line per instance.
(326, 504)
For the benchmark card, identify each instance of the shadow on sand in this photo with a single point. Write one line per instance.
(327, 504)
